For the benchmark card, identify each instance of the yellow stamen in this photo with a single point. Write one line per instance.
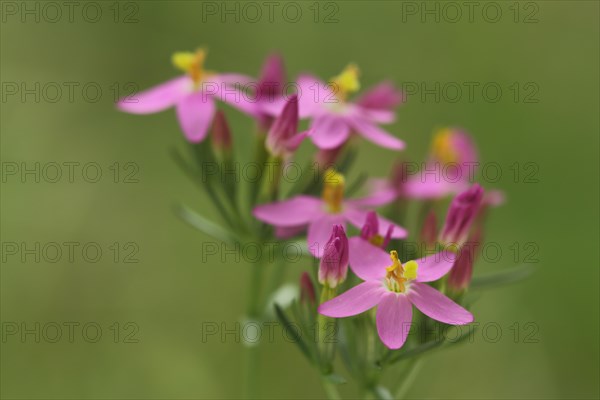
(191, 63)
(397, 274)
(333, 190)
(441, 147)
(376, 240)
(346, 82)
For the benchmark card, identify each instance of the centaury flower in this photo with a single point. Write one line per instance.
(334, 117)
(394, 289)
(192, 95)
(321, 214)
(450, 166)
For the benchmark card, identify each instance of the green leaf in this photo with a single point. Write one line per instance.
(291, 329)
(205, 225)
(502, 278)
(335, 378)
(382, 393)
(428, 347)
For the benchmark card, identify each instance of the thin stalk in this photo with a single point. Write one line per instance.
(408, 379)
(330, 388)
(251, 365)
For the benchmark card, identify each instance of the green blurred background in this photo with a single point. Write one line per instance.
(170, 292)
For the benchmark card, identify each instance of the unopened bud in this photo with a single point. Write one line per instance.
(334, 264)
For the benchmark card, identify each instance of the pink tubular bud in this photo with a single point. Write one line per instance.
(307, 290)
(462, 271)
(221, 135)
(461, 213)
(283, 137)
(334, 264)
(429, 229)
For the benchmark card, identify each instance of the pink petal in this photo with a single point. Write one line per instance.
(437, 306)
(319, 231)
(313, 93)
(379, 116)
(286, 232)
(380, 193)
(426, 185)
(382, 96)
(394, 318)
(158, 98)
(376, 135)
(195, 113)
(358, 217)
(299, 210)
(433, 267)
(367, 261)
(329, 131)
(354, 301)
(234, 79)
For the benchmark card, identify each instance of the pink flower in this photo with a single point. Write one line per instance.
(448, 169)
(334, 264)
(461, 215)
(283, 137)
(394, 289)
(321, 214)
(334, 117)
(192, 95)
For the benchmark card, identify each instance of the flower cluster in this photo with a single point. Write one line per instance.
(343, 231)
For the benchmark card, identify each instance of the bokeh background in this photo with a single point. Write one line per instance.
(170, 292)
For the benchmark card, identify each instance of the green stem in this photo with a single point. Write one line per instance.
(251, 365)
(330, 388)
(405, 383)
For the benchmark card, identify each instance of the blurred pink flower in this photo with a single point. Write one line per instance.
(334, 117)
(192, 95)
(321, 214)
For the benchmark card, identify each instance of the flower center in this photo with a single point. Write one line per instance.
(397, 275)
(376, 240)
(333, 190)
(346, 82)
(442, 147)
(192, 64)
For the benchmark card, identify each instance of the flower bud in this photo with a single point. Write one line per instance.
(221, 135)
(307, 290)
(283, 137)
(270, 87)
(461, 213)
(334, 264)
(429, 229)
(462, 271)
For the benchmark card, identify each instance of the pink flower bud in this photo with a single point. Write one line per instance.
(462, 271)
(370, 231)
(221, 135)
(462, 212)
(334, 264)
(283, 137)
(307, 289)
(429, 230)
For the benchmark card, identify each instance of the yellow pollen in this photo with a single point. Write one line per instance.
(346, 82)
(333, 190)
(397, 274)
(441, 147)
(191, 63)
(376, 240)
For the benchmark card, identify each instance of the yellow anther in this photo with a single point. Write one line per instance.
(191, 63)
(346, 82)
(397, 274)
(442, 148)
(410, 270)
(333, 190)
